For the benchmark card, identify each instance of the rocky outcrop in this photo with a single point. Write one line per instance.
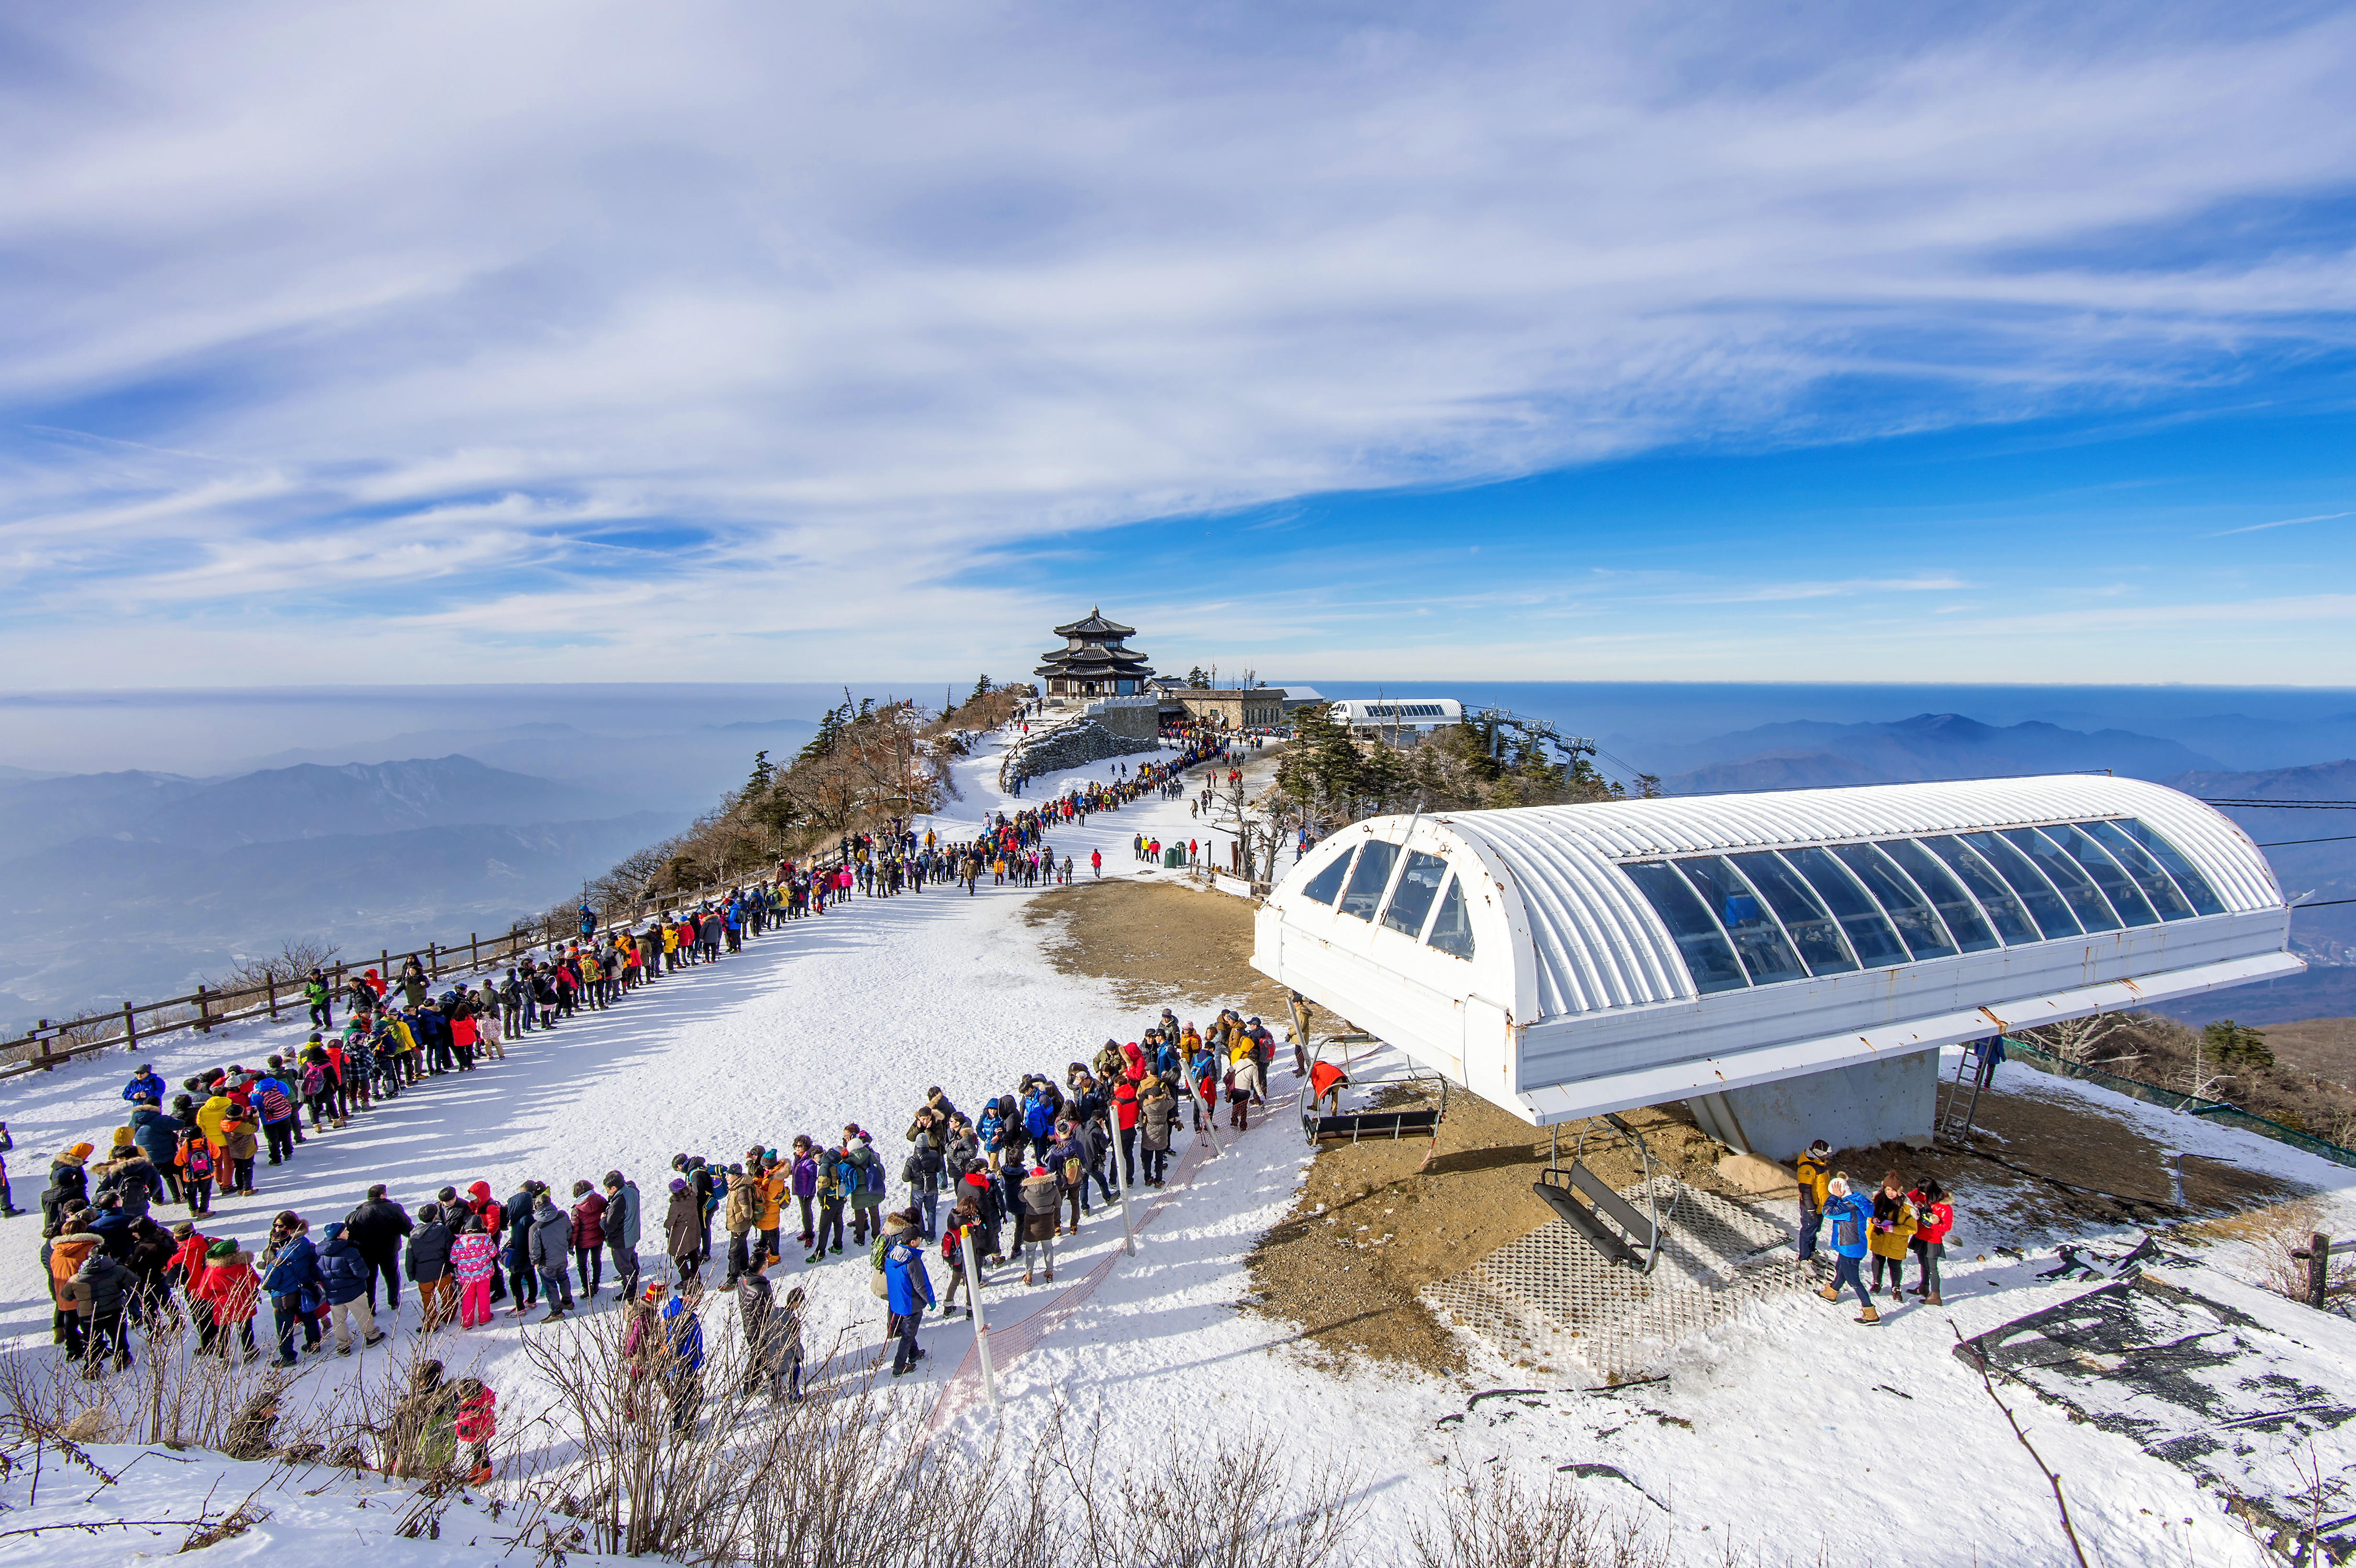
(1074, 744)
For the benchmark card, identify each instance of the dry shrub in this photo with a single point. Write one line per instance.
(1495, 1521)
(850, 1477)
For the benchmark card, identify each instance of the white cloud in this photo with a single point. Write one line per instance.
(871, 301)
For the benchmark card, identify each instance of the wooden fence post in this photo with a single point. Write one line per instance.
(130, 1029)
(474, 954)
(270, 984)
(2319, 1270)
(432, 965)
(204, 1014)
(35, 1035)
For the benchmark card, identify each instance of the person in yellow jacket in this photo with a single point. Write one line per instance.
(772, 1186)
(1816, 1170)
(1894, 1224)
(208, 1121)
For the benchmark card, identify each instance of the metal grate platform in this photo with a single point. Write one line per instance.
(1551, 1301)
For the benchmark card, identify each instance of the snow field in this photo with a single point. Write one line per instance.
(1786, 1431)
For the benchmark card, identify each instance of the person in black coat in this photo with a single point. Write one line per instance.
(429, 1267)
(376, 1228)
(69, 1188)
(515, 1249)
(157, 1134)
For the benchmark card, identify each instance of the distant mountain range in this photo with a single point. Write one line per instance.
(1811, 755)
(279, 803)
(137, 884)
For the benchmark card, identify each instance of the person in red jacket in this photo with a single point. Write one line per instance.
(1124, 1115)
(1934, 1216)
(229, 1290)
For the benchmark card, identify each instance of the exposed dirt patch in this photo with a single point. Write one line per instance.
(2041, 1168)
(1375, 1224)
(1160, 942)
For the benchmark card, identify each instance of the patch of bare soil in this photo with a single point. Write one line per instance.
(1160, 942)
(1377, 1221)
(2040, 1167)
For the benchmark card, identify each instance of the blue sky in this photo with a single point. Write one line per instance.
(568, 341)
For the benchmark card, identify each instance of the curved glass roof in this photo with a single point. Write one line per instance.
(1764, 916)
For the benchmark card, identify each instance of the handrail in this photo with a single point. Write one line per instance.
(52, 1041)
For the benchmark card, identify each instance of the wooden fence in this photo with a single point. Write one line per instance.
(51, 1041)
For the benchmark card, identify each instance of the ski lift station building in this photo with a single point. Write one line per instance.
(1787, 963)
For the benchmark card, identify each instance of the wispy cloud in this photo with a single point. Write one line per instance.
(2282, 523)
(876, 304)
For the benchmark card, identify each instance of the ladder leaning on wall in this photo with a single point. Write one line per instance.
(1961, 1101)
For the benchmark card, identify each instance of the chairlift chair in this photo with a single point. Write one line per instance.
(1625, 1233)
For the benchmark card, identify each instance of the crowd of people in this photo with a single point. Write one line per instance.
(1024, 1171)
(1017, 1176)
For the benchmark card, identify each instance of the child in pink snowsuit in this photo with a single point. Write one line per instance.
(473, 1257)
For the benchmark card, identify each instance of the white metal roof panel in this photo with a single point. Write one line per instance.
(1598, 944)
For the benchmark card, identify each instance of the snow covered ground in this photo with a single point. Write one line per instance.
(1787, 1432)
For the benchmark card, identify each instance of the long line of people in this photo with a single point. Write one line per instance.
(1022, 1169)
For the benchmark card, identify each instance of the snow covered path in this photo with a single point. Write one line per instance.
(1788, 1429)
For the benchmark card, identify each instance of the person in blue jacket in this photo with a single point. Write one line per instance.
(908, 1288)
(344, 1276)
(683, 1334)
(1849, 1219)
(144, 1083)
(293, 1284)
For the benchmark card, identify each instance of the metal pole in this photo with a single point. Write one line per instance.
(1120, 1191)
(980, 1328)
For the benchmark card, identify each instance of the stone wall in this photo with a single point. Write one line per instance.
(1139, 719)
(1072, 745)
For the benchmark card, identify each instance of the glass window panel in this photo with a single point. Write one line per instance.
(1861, 921)
(2021, 874)
(1327, 882)
(1965, 922)
(1758, 940)
(1709, 958)
(2069, 878)
(1918, 923)
(1371, 875)
(2096, 862)
(2164, 894)
(1811, 925)
(1451, 928)
(2189, 881)
(1418, 885)
(2003, 906)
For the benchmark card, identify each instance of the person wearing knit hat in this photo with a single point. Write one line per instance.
(683, 1230)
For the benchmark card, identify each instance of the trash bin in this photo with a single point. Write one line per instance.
(1173, 855)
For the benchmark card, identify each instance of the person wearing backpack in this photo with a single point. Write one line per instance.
(865, 1186)
(828, 1184)
(1851, 1219)
(275, 1101)
(1041, 1195)
(196, 1161)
